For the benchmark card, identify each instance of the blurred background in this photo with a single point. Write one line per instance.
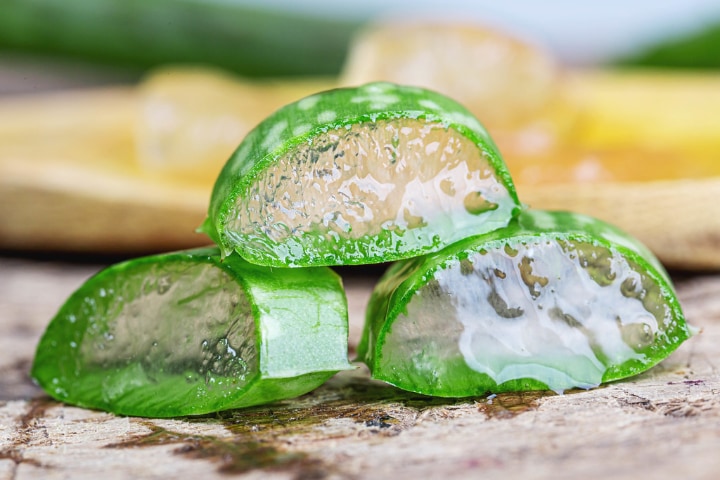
(48, 45)
(117, 115)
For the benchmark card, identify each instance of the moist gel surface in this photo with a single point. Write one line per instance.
(395, 185)
(554, 311)
(188, 333)
(208, 335)
(178, 333)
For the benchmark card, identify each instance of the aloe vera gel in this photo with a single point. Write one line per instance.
(185, 333)
(554, 301)
(360, 175)
(484, 298)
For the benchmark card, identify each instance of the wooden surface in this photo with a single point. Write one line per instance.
(664, 424)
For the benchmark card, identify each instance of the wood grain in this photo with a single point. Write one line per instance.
(664, 424)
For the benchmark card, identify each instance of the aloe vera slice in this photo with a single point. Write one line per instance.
(360, 175)
(553, 301)
(186, 333)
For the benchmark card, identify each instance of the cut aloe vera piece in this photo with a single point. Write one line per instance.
(554, 301)
(186, 333)
(360, 175)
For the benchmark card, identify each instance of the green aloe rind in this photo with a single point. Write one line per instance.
(189, 333)
(613, 262)
(303, 122)
(204, 330)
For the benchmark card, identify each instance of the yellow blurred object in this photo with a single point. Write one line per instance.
(77, 128)
(191, 120)
(627, 127)
(504, 81)
(648, 109)
(642, 153)
(69, 180)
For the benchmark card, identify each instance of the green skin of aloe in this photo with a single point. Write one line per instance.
(187, 333)
(553, 301)
(308, 122)
(485, 298)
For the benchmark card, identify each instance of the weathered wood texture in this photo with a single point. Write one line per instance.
(664, 424)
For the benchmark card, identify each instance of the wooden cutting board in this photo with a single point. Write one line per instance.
(664, 424)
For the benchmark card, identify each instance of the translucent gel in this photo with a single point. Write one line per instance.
(557, 312)
(181, 319)
(388, 176)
